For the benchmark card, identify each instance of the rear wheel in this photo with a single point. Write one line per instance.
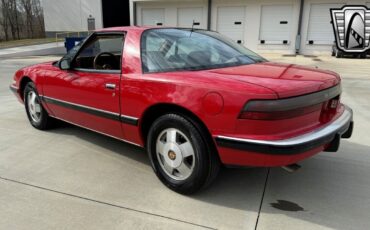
(36, 113)
(179, 154)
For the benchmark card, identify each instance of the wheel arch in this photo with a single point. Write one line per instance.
(157, 110)
(22, 85)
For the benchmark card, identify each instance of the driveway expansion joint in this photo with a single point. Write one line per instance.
(263, 196)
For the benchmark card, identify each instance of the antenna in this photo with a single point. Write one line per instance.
(192, 28)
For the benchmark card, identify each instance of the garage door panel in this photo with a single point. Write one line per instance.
(186, 16)
(152, 17)
(231, 22)
(276, 23)
(320, 30)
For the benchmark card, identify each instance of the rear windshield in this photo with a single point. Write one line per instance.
(165, 50)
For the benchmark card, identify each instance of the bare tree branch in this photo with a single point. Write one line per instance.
(21, 19)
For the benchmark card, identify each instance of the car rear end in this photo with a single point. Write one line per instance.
(286, 130)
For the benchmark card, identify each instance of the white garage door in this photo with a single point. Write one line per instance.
(276, 23)
(320, 30)
(152, 17)
(231, 22)
(186, 16)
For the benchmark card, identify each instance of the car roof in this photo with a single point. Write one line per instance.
(127, 28)
(139, 28)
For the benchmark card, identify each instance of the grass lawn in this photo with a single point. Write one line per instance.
(26, 42)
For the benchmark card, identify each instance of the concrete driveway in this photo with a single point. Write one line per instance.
(71, 178)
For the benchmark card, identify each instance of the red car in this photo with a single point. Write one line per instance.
(192, 98)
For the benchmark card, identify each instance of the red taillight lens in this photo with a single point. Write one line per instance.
(279, 115)
(329, 109)
(292, 107)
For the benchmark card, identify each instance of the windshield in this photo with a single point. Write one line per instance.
(164, 50)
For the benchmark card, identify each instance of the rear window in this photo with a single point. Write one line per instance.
(165, 50)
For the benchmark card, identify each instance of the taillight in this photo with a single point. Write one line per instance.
(329, 109)
(291, 107)
(279, 115)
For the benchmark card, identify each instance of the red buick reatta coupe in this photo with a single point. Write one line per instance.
(193, 98)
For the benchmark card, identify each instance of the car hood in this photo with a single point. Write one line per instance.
(39, 66)
(286, 80)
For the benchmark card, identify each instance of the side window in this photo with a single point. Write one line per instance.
(102, 52)
(156, 48)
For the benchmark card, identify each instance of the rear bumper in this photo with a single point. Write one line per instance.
(325, 138)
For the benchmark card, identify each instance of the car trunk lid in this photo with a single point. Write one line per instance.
(286, 80)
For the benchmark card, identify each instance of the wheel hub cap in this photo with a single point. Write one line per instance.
(172, 155)
(175, 154)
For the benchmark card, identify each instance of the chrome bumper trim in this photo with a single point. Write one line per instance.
(338, 126)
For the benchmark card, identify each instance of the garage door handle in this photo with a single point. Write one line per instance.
(110, 86)
(237, 23)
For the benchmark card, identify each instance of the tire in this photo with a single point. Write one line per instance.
(339, 54)
(180, 154)
(36, 113)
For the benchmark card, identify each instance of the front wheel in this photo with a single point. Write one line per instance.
(179, 154)
(36, 113)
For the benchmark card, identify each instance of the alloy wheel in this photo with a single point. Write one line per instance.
(175, 154)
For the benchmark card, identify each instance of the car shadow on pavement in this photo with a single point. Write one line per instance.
(227, 190)
(120, 147)
(331, 189)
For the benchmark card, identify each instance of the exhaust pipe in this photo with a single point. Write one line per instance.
(291, 168)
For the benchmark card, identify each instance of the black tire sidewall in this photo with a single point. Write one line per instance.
(200, 172)
(43, 119)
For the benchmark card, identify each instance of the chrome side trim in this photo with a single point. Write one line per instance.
(81, 126)
(82, 106)
(94, 111)
(331, 128)
(129, 119)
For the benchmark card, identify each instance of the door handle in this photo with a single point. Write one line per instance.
(110, 86)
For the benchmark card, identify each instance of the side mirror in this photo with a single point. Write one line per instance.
(65, 64)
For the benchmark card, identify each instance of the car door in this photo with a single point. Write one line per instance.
(87, 93)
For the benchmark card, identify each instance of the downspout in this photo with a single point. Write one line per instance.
(134, 13)
(299, 36)
(209, 14)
